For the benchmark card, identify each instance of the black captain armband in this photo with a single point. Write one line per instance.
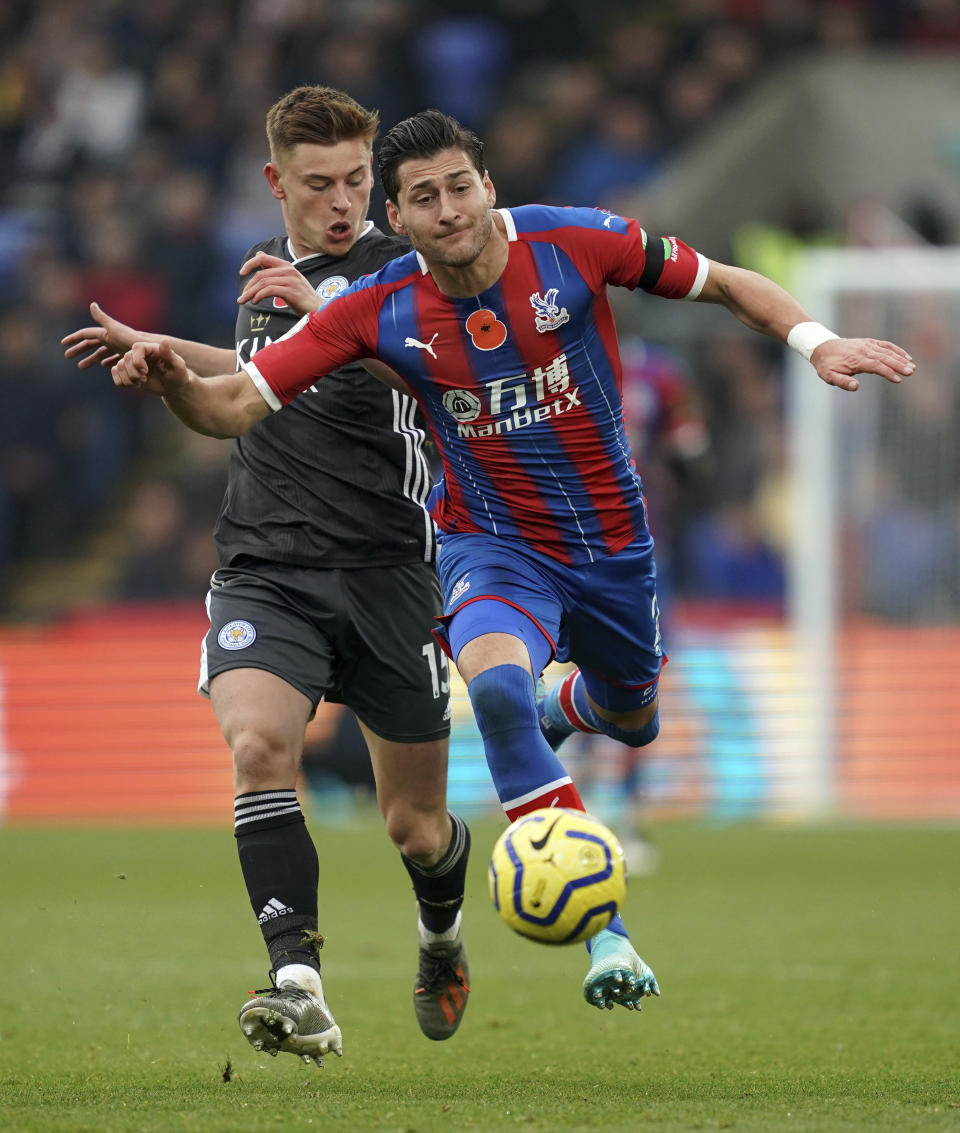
(655, 257)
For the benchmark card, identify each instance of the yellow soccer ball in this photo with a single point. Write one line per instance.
(557, 876)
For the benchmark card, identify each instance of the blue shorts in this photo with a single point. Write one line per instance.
(603, 616)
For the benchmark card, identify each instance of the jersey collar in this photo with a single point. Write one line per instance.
(508, 224)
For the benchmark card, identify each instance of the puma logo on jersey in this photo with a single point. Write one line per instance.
(428, 346)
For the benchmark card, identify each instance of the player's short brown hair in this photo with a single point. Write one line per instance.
(319, 116)
(424, 135)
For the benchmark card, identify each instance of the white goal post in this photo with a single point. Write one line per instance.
(839, 445)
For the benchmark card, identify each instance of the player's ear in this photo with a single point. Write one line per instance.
(491, 191)
(272, 173)
(394, 217)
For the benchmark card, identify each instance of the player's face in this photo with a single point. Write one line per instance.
(324, 192)
(443, 205)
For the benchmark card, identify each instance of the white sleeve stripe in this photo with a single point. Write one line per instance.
(703, 270)
(520, 800)
(262, 387)
(293, 330)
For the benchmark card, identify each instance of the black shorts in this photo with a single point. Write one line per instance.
(360, 637)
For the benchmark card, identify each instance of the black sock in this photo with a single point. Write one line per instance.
(281, 871)
(439, 888)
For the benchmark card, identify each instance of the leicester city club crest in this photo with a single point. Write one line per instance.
(236, 635)
(330, 288)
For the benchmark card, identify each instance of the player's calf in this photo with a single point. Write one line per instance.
(633, 736)
(567, 708)
(526, 772)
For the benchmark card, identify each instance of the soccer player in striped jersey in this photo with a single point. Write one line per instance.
(327, 587)
(499, 324)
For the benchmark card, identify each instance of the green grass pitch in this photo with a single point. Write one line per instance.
(809, 976)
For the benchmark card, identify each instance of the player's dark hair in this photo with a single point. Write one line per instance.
(319, 116)
(424, 135)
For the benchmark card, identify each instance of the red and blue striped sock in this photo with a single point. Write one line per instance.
(565, 709)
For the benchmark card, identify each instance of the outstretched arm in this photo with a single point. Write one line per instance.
(110, 339)
(764, 306)
(107, 341)
(225, 405)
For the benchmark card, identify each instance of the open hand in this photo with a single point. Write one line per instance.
(839, 359)
(107, 342)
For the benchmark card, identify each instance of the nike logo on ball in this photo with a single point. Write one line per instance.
(539, 843)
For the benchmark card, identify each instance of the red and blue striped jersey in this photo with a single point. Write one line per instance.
(520, 385)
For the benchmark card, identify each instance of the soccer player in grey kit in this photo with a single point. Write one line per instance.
(326, 587)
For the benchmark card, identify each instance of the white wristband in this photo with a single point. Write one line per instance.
(806, 337)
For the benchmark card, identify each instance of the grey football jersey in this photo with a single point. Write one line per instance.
(339, 477)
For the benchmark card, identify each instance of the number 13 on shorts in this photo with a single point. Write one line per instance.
(436, 661)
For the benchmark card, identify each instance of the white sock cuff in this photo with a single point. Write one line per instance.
(428, 937)
(303, 976)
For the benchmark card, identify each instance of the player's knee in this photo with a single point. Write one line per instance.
(420, 836)
(635, 729)
(261, 760)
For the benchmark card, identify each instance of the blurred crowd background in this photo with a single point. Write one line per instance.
(132, 141)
